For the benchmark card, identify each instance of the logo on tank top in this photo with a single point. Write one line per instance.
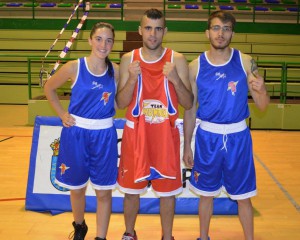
(232, 87)
(97, 85)
(105, 97)
(220, 75)
(154, 111)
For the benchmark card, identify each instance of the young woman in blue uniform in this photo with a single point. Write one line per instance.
(88, 144)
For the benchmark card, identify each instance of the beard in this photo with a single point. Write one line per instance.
(225, 43)
(151, 46)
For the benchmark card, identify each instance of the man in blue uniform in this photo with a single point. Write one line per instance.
(221, 79)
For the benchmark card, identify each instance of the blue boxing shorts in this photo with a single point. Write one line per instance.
(88, 151)
(223, 159)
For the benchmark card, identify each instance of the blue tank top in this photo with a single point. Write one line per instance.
(222, 90)
(92, 95)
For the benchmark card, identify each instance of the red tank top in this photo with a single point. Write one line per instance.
(154, 109)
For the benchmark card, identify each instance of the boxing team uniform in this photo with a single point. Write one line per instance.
(223, 146)
(88, 150)
(150, 149)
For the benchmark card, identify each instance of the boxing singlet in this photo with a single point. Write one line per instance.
(151, 115)
(222, 90)
(92, 95)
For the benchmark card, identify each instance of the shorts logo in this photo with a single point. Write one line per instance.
(154, 111)
(63, 167)
(123, 171)
(232, 87)
(196, 176)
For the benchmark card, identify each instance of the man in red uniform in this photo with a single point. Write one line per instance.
(154, 80)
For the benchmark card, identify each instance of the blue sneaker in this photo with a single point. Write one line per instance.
(200, 238)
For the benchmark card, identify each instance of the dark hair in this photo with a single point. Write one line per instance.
(154, 13)
(223, 16)
(102, 25)
(111, 27)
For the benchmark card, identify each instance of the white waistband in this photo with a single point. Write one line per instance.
(223, 128)
(93, 123)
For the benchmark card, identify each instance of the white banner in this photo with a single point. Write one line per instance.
(44, 195)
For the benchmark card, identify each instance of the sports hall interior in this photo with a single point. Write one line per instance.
(268, 30)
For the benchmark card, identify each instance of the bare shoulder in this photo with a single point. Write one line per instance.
(67, 71)
(179, 56)
(72, 63)
(245, 57)
(180, 60)
(248, 61)
(194, 62)
(126, 57)
(193, 65)
(70, 67)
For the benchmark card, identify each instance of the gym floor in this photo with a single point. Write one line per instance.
(277, 160)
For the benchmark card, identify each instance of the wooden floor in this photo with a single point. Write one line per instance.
(277, 210)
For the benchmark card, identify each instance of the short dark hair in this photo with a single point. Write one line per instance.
(154, 13)
(223, 16)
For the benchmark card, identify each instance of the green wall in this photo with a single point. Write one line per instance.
(180, 26)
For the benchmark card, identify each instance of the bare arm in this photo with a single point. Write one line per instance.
(116, 76)
(66, 72)
(117, 72)
(189, 118)
(256, 83)
(128, 78)
(178, 74)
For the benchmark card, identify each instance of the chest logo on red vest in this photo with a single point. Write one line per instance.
(154, 111)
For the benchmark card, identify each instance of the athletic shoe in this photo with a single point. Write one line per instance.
(97, 238)
(128, 236)
(163, 238)
(200, 238)
(79, 232)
